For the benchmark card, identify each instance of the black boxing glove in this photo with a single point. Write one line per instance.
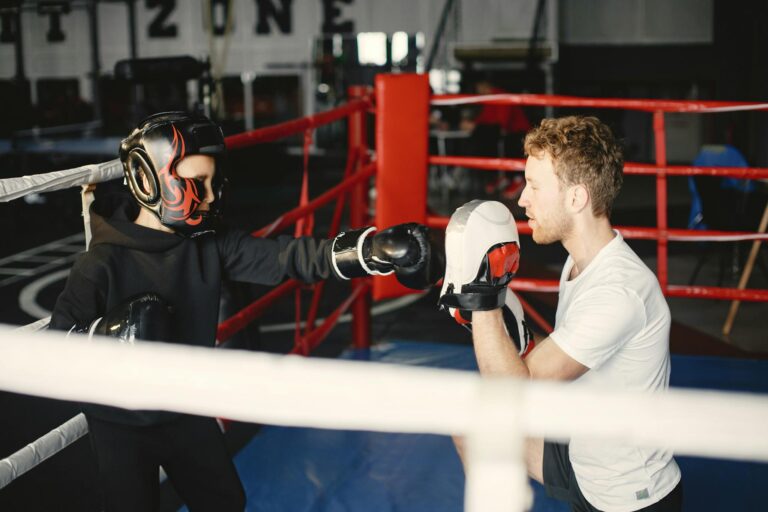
(142, 317)
(413, 252)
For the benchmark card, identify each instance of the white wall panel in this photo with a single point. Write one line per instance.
(247, 50)
(682, 21)
(581, 22)
(487, 20)
(58, 59)
(636, 21)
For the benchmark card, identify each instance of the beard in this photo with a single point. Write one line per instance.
(554, 228)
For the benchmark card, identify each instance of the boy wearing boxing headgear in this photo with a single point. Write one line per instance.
(153, 271)
(612, 322)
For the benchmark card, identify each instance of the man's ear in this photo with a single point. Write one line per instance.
(578, 198)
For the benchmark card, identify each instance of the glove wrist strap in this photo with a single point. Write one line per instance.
(348, 258)
(89, 329)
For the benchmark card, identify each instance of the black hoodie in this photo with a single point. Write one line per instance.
(125, 259)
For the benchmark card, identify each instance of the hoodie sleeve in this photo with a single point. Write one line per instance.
(79, 304)
(269, 261)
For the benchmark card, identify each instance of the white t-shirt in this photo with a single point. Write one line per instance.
(613, 319)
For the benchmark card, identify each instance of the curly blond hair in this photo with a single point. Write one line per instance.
(583, 152)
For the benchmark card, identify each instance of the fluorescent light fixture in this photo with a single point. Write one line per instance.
(399, 47)
(372, 48)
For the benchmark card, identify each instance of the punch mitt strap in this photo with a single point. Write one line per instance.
(474, 298)
(512, 315)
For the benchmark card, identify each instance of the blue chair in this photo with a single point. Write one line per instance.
(716, 155)
(720, 204)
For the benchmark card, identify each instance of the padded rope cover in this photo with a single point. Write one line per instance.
(13, 188)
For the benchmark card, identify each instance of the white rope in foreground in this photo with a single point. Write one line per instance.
(295, 391)
(13, 188)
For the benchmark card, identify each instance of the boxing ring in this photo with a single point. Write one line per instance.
(362, 401)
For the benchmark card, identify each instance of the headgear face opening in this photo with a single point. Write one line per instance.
(150, 155)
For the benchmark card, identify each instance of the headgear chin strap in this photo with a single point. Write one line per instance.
(150, 155)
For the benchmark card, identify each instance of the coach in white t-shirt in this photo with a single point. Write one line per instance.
(612, 323)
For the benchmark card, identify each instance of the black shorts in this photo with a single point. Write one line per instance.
(560, 483)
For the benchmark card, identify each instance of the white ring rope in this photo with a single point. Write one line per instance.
(42, 449)
(354, 395)
(35, 326)
(13, 188)
(485, 98)
(718, 238)
(470, 100)
(735, 108)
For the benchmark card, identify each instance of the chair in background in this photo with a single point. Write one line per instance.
(720, 204)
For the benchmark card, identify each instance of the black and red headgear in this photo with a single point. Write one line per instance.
(154, 149)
